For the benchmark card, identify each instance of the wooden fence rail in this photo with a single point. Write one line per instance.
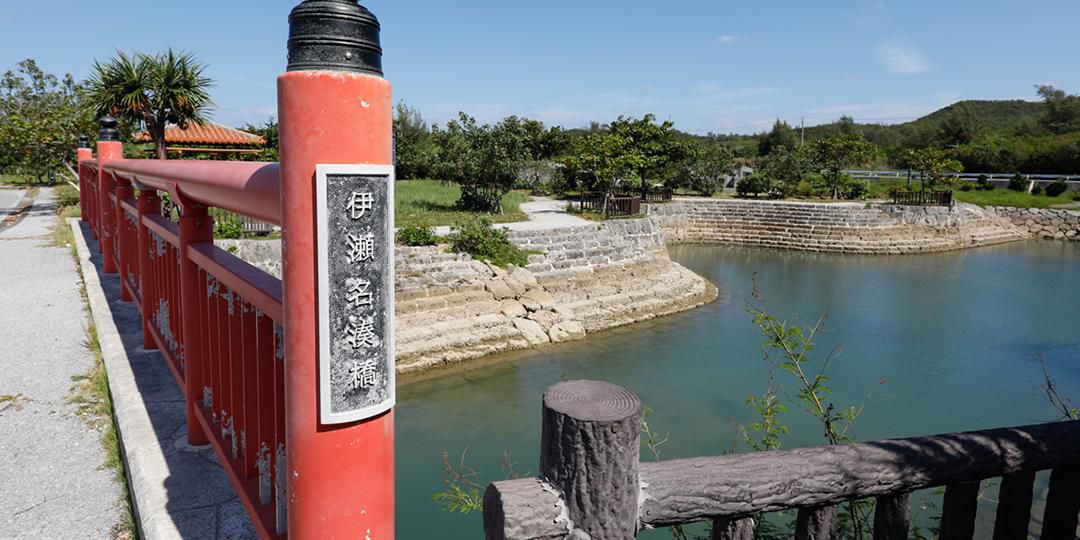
(922, 198)
(592, 483)
(616, 205)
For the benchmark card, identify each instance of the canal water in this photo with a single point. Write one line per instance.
(931, 344)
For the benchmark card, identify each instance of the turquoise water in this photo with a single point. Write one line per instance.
(953, 339)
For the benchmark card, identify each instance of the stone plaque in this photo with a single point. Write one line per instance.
(355, 212)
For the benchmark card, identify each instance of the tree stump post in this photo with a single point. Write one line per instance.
(589, 450)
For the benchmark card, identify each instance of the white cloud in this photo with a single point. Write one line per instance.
(902, 59)
(726, 38)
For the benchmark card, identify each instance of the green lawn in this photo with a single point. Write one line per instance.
(1005, 197)
(430, 202)
(16, 180)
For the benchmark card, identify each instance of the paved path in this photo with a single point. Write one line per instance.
(544, 213)
(9, 200)
(52, 480)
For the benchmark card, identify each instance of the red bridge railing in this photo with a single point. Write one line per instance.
(216, 319)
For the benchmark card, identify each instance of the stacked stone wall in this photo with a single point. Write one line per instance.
(451, 308)
(832, 227)
(1047, 224)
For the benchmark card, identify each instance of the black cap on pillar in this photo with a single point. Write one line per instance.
(334, 35)
(84, 141)
(108, 131)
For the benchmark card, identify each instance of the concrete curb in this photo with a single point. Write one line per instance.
(176, 491)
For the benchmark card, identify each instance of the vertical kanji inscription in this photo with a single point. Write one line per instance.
(356, 291)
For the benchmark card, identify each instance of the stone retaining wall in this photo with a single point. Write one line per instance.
(832, 227)
(451, 308)
(1043, 223)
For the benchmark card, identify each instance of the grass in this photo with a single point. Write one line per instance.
(431, 203)
(1005, 197)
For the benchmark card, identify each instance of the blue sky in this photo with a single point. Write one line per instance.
(707, 65)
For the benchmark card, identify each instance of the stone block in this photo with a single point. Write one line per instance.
(567, 331)
(512, 309)
(540, 297)
(499, 289)
(532, 331)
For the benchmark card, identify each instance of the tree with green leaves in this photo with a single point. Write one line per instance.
(484, 160)
(648, 146)
(961, 126)
(269, 131)
(838, 153)
(708, 165)
(154, 90)
(788, 168)
(781, 136)
(599, 161)
(1062, 110)
(935, 165)
(40, 121)
(414, 150)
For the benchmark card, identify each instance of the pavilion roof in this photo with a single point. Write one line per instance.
(206, 133)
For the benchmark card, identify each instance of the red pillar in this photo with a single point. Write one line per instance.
(126, 249)
(149, 204)
(334, 109)
(84, 153)
(109, 148)
(196, 227)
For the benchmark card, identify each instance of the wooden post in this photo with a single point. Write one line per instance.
(815, 523)
(125, 250)
(892, 517)
(196, 227)
(1014, 506)
(733, 529)
(109, 148)
(589, 450)
(336, 109)
(1062, 504)
(958, 511)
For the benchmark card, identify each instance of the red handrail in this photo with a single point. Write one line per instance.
(244, 187)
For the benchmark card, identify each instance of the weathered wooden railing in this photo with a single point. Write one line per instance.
(616, 205)
(922, 198)
(592, 485)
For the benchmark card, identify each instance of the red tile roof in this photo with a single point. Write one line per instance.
(207, 133)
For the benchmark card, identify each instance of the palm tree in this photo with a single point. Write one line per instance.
(152, 90)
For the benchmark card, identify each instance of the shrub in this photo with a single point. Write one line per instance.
(983, 181)
(229, 228)
(969, 186)
(753, 185)
(1057, 188)
(417, 235)
(1018, 183)
(1037, 190)
(485, 243)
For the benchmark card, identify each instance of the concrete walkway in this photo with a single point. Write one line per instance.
(544, 213)
(52, 480)
(179, 491)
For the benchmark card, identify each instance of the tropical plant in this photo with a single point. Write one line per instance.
(155, 90)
